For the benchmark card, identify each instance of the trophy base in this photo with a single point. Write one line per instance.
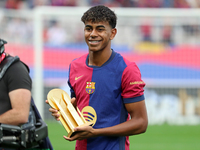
(72, 133)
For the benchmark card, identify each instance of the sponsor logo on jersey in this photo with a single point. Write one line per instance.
(89, 114)
(136, 82)
(90, 87)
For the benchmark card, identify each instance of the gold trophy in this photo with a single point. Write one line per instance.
(69, 116)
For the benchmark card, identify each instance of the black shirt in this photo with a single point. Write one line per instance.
(16, 77)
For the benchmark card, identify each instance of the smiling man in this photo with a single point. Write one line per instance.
(109, 83)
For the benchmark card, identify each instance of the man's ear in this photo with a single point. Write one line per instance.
(113, 33)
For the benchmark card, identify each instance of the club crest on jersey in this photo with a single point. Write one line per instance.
(90, 87)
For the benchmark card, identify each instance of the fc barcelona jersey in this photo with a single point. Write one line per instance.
(106, 88)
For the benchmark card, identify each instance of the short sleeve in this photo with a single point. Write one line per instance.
(18, 77)
(132, 84)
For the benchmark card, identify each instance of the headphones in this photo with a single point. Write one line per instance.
(2, 48)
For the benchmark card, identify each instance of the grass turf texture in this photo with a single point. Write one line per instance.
(157, 137)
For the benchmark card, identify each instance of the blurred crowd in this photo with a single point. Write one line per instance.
(20, 4)
(58, 32)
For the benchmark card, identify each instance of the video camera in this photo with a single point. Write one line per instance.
(16, 137)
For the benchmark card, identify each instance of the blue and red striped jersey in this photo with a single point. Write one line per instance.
(106, 88)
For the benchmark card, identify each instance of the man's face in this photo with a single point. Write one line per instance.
(98, 36)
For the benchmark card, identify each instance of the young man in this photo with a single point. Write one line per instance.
(110, 84)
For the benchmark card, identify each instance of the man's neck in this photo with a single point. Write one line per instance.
(98, 58)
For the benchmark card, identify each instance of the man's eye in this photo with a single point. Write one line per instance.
(88, 29)
(100, 29)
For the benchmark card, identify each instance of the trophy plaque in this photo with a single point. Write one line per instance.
(69, 116)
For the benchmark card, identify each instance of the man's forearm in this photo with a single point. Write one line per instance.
(127, 128)
(13, 117)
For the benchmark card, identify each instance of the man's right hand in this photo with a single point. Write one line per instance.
(73, 101)
(54, 112)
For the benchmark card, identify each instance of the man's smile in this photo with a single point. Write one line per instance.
(94, 41)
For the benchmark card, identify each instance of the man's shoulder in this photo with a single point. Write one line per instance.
(18, 67)
(80, 59)
(6, 63)
(121, 58)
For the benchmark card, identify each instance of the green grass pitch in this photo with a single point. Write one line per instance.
(157, 137)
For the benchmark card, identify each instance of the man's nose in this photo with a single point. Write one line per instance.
(93, 33)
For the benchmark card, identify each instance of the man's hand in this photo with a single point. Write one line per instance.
(54, 112)
(81, 133)
(73, 101)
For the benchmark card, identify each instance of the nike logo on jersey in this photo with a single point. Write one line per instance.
(76, 78)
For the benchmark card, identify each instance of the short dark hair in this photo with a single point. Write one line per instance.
(100, 13)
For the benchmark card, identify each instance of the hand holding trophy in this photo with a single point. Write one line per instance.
(70, 117)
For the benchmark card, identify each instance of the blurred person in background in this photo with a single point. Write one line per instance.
(13, 4)
(126, 3)
(95, 2)
(112, 3)
(146, 32)
(149, 4)
(193, 3)
(181, 4)
(56, 34)
(63, 2)
(167, 31)
(20, 27)
(34, 3)
(167, 3)
(117, 98)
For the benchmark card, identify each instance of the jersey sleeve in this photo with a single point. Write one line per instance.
(18, 77)
(71, 90)
(72, 93)
(132, 84)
